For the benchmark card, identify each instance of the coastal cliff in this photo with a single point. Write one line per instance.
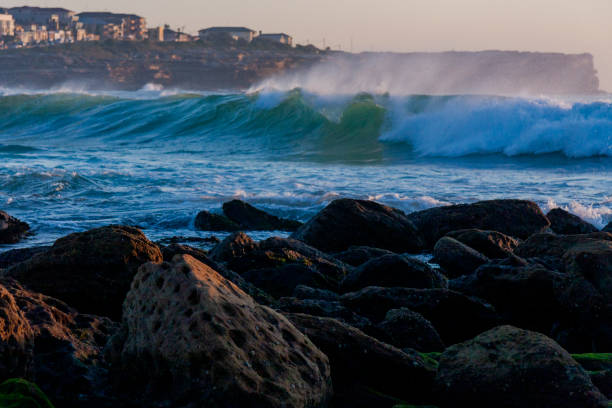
(198, 66)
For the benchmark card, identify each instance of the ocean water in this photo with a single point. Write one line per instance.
(71, 160)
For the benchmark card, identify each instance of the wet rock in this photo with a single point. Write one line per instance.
(551, 245)
(236, 245)
(594, 361)
(323, 308)
(92, 271)
(207, 221)
(282, 281)
(12, 230)
(253, 219)
(365, 370)
(47, 342)
(358, 255)
(516, 218)
(306, 292)
(603, 381)
(456, 258)
(510, 367)
(491, 244)
(408, 329)
(455, 316)
(394, 271)
(346, 222)
(191, 336)
(563, 222)
(593, 261)
(15, 256)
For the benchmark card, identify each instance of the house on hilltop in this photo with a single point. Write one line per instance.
(7, 25)
(236, 33)
(280, 38)
(26, 16)
(115, 26)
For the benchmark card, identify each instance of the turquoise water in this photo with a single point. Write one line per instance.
(71, 161)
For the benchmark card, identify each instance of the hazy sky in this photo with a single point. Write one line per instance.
(572, 26)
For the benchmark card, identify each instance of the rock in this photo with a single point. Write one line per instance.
(92, 271)
(358, 255)
(455, 316)
(323, 308)
(15, 256)
(594, 361)
(242, 255)
(207, 221)
(394, 271)
(360, 362)
(608, 228)
(510, 367)
(252, 219)
(12, 230)
(192, 337)
(45, 341)
(593, 261)
(491, 244)
(562, 222)
(283, 280)
(236, 245)
(260, 296)
(408, 329)
(456, 258)
(551, 245)
(525, 296)
(346, 222)
(603, 381)
(516, 218)
(306, 292)
(19, 393)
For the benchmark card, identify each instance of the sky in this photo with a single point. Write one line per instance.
(569, 26)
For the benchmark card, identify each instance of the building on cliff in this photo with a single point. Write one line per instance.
(280, 38)
(115, 26)
(236, 33)
(7, 25)
(27, 16)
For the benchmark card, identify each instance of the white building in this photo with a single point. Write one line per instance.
(237, 33)
(7, 25)
(281, 38)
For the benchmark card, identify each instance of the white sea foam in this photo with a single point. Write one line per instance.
(599, 215)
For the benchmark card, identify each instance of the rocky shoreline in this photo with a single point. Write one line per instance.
(513, 310)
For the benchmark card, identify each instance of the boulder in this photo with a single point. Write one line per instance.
(455, 316)
(408, 329)
(191, 337)
(282, 281)
(516, 218)
(234, 246)
(562, 222)
(491, 244)
(603, 381)
(306, 292)
(510, 367)
(12, 230)
(365, 370)
(45, 341)
(15, 256)
(324, 308)
(252, 219)
(346, 222)
(551, 245)
(358, 255)
(92, 271)
(593, 261)
(207, 221)
(608, 228)
(19, 393)
(394, 271)
(456, 258)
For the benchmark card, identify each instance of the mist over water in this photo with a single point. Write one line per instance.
(72, 159)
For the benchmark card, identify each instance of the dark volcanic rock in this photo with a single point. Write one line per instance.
(207, 221)
(593, 261)
(253, 219)
(236, 245)
(562, 222)
(509, 367)
(364, 367)
(394, 271)
(408, 329)
(193, 338)
(543, 245)
(456, 258)
(15, 256)
(516, 218)
(323, 308)
(346, 222)
(49, 343)
(358, 255)
(11, 229)
(306, 292)
(491, 244)
(283, 280)
(92, 271)
(603, 381)
(455, 316)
